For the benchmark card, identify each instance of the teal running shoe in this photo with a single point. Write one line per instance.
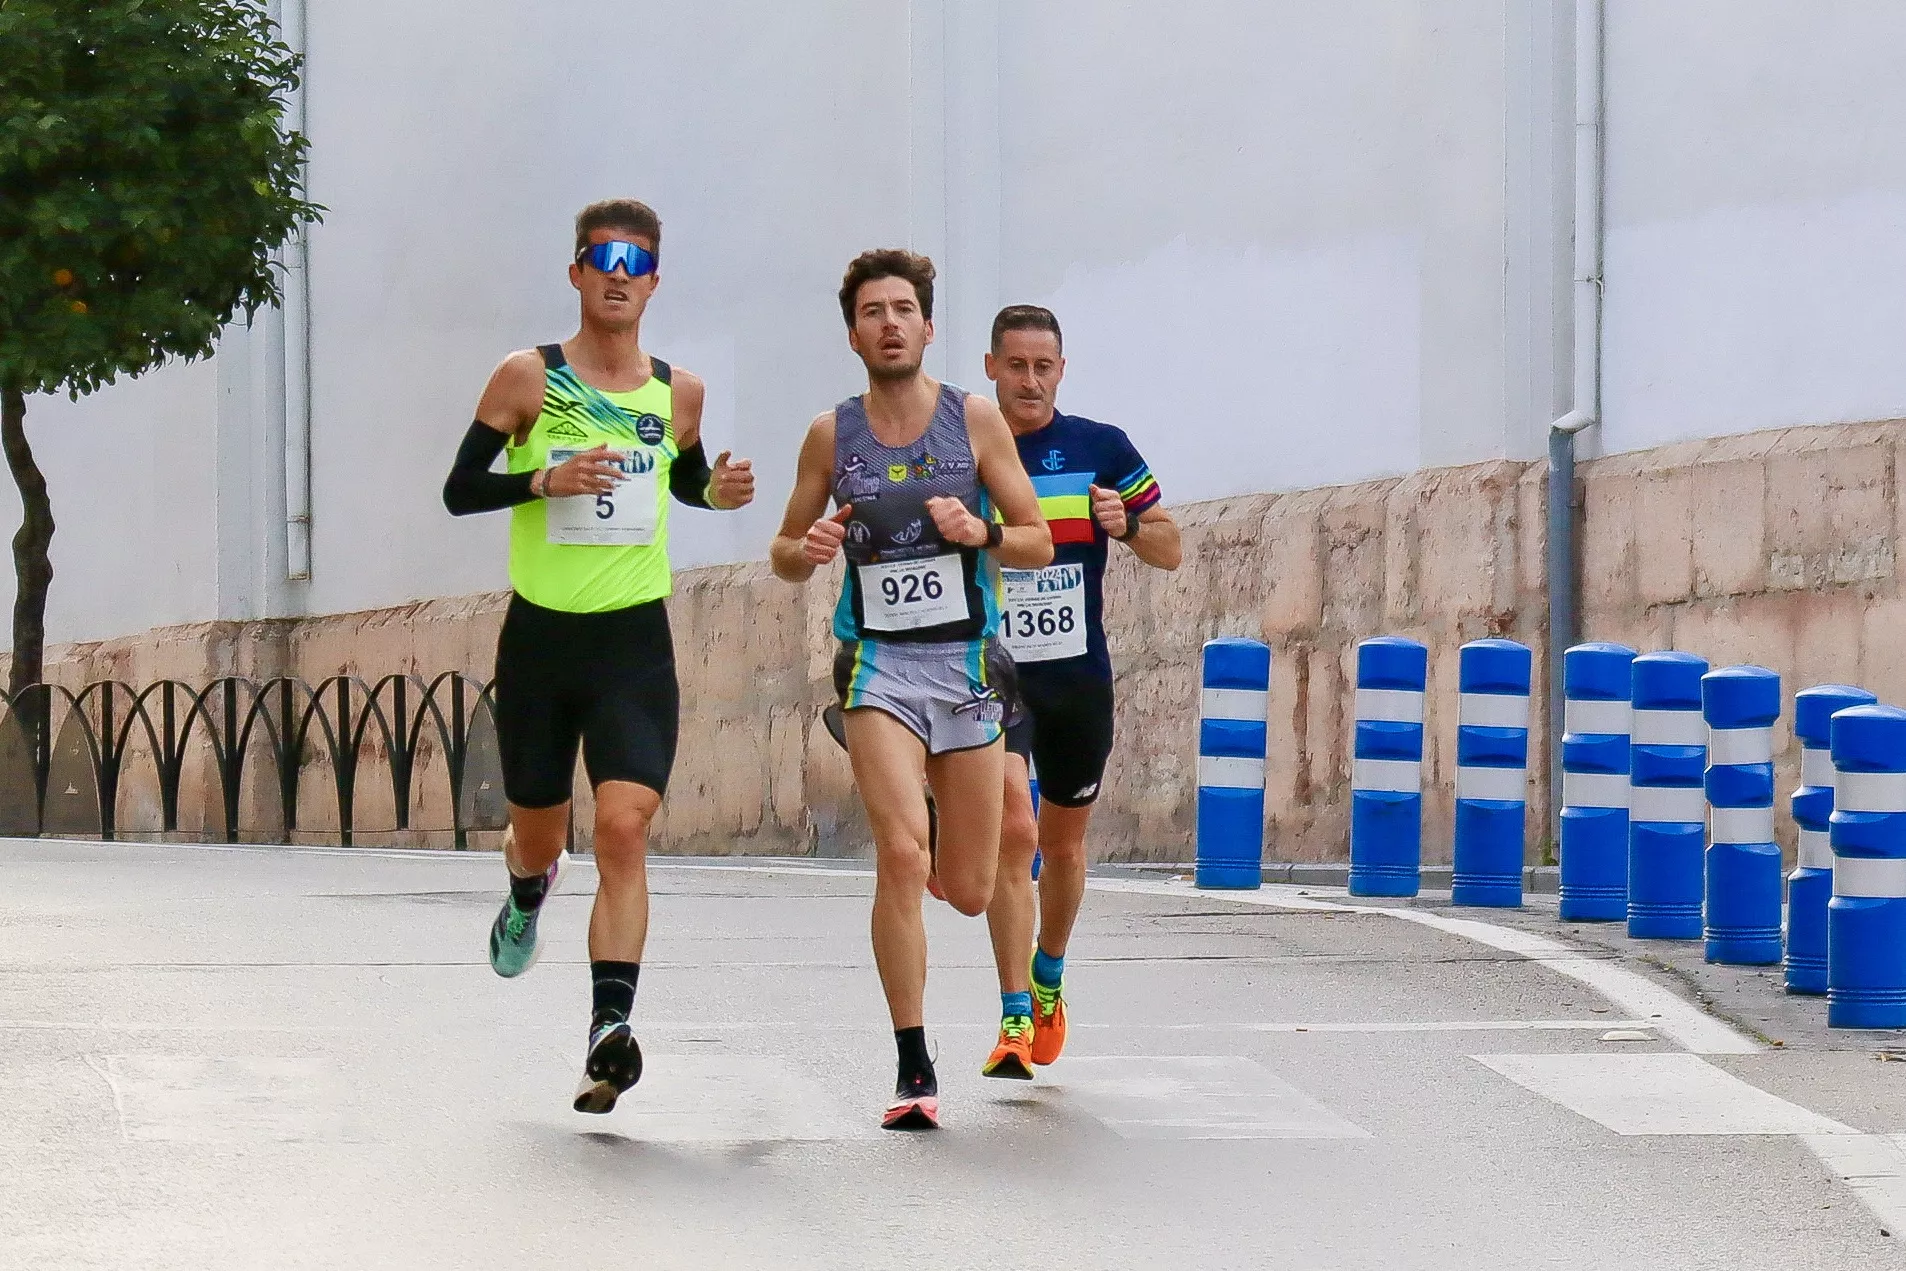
(515, 940)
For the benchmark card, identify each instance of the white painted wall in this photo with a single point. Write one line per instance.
(1292, 244)
(133, 476)
(1756, 205)
(1275, 236)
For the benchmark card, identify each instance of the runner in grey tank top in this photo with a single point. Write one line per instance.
(915, 468)
(905, 582)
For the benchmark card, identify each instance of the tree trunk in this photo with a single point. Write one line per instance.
(33, 569)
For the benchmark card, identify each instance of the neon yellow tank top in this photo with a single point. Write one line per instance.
(593, 553)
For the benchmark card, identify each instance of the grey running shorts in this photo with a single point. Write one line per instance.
(947, 695)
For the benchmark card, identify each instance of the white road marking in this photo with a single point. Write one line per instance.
(1874, 1166)
(732, 1099)
(1196, 1097)
(222, 1099)
(1430, 1026)
(1681, 1022)
(1658, 1094)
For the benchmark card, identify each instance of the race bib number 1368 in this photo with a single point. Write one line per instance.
(1044, 617)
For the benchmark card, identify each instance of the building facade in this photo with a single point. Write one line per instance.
(1313, 258)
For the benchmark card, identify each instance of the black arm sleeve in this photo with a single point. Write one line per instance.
(688, 476)
(472, 487)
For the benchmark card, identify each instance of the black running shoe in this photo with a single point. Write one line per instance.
(614, 1064)
(916, 1104)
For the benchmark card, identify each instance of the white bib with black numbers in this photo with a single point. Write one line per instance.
(1044, 615)
(626, 516)
(905, 595)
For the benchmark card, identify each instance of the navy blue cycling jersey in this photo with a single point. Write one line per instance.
(1046, 607)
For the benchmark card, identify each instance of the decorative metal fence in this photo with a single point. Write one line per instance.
(247, 761)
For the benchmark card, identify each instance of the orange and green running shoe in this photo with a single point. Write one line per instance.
(1048, 1022)
(1012, 1058)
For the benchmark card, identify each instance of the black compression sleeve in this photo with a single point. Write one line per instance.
(472, 487)
(688, 476)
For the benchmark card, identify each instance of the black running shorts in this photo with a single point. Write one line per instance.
(1065, 729)
(601, 681)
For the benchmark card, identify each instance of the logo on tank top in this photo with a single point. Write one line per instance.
(858, 531)
(859, 487)
(567, 430)
(896, 472)
(909, 534)
(1054, 461)
(650, 428)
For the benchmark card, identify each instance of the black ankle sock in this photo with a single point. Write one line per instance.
(912, 1044)
(529, 893)
(614, 989)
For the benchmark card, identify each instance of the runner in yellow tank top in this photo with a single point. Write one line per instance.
(600, 435)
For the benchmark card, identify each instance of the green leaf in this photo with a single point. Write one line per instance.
(143, 148)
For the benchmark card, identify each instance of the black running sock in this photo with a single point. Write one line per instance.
(914, 1060)
(614, 990)
(529, 893)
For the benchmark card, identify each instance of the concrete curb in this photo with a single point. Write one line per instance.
(1537, 880)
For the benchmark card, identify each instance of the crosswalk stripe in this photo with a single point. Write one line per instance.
(1665, 1093)
(1197, 1097)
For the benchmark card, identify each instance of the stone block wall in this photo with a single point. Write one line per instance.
(1780, 548)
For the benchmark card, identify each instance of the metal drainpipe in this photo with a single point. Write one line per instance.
(297, 329)
(1563, 578)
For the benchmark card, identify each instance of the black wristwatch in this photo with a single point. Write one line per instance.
(995, 534)
(1132, 527)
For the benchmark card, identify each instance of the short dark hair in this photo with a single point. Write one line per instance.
(1026, 318)
(887, 262)
(623, 214)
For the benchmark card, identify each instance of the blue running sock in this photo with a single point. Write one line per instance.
(1046, 969)
(1011, 1004)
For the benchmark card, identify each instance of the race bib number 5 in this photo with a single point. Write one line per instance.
(1044, 617)
(905, 595)
(623, 517)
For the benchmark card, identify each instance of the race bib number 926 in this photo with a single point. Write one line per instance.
(906, 595)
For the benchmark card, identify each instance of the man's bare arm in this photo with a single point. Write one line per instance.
(805, 542)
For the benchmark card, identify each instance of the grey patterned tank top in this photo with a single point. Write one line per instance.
(905, 582)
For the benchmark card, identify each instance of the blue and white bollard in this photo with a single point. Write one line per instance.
(1231, 738)
(1810, 886)
(1386, 768)
(1740, 704)
(1667, 810)
(1866, 919)
(1492, 773)
(1597, 681)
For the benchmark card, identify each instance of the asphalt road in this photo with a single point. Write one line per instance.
(264, 1058)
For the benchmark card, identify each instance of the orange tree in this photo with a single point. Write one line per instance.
(147, 178)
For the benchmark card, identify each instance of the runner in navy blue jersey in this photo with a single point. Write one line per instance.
(1093, 487)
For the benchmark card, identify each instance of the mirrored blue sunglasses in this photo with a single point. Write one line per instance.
(633, 258)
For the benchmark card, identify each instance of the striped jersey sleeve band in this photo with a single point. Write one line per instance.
(1139, 489)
